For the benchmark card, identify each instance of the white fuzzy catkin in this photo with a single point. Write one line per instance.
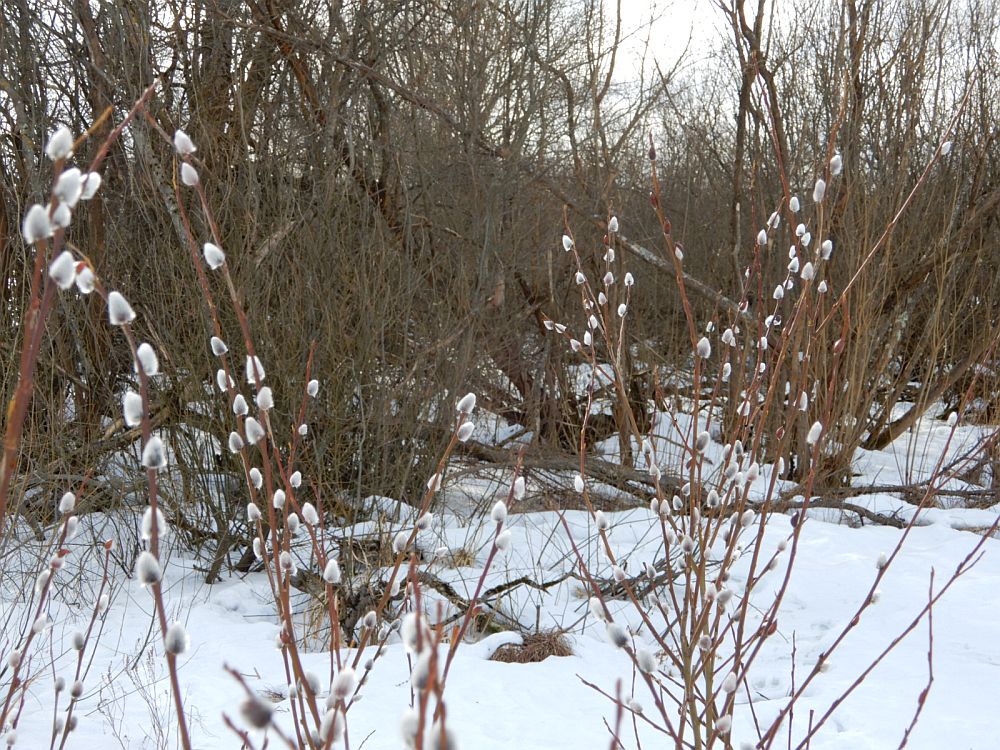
(256, 477)
(235, 442)
(67, 502)
(629, 279)
(730, 684)
(240, 408)
(120, 312)
(254, 431)
(344, 683)
(400, 541)
(278, 499)
(154, 455)
(617, 635)
(814, 433)
(567, 242)
(91, 184)
(295, 479)
(597, 609)
(819, 190)
(253, 512)
(218, 346)
(147, 359)
(613, 225)
(183, 143)
(499, 512)
(147, 568)
(762, 237)
(421, 674)
(256, 712)
(309, 514)
(409, 727)
(176, 640)
(331, 572)
(224, 381)
(85, 280)
(312, 388)
(69, 187)
(147, 523)
(265, 399)
(465, 431)
(826, 249)
(132, 408)
(62, 270)
(579, 278)
(793, 204)
(704, 348)
(946, 148)
(37, 225)
(578, 483)
(60, 144)
(214, 257)
(645, 661)
(189, 175)
(808, 272)
(519, 488)
(62, 216)
(503, 540)
(601, 521)
(622, 309)
(467, 403)
(836, 165)
(303, 429)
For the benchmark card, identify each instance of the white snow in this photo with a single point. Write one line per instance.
(493, 705)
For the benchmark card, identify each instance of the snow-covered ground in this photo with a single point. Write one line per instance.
(493, 705)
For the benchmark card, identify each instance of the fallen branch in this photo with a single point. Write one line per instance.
(614, 475)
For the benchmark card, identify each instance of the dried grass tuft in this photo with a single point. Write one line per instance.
(536, 647)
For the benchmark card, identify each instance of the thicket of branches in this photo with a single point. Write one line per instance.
(416, 199)
(385, 177)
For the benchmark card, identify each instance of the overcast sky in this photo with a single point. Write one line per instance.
(676, 24)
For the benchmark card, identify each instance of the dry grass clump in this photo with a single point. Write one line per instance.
(536, 647)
